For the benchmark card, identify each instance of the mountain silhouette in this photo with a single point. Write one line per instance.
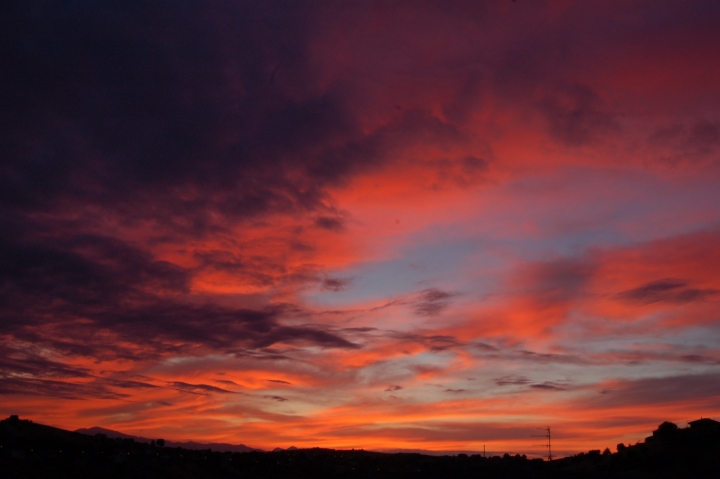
(30, 450)
(220, 447)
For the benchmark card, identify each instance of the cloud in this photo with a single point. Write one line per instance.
(516, 354)
(393, 388)
(694, 388)
(556, 282)
(682, 142)
(25, 371)
(699, 359)
(336, 284)
(362, 329)
(512, 380)
(197, 388)
(704, 137)
(129, 384)
(177, 185)
(213, 120)
(56, 389)
(576, 115)
(433, 342)
(25, 362)
(547, 385)
(276, 398)
(432, 302)
(670, 290)
(225, 381)
(329, 223)
(463, 172)
(104, 284)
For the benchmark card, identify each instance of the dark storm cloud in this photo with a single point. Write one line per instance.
(256, 269)
(189, 118)
(78, 271)
(168, 114)
(671, 290)
(19, 379)
(127, 105)
(195, 116)
(55, 389)
(26, 372)
(64, 292)
(22, 361)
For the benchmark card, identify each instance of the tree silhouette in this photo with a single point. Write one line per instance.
(667, 427)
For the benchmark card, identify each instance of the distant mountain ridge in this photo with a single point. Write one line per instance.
(220, 447)
(30, 450)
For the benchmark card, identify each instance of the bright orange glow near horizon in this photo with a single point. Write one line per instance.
(432, 226)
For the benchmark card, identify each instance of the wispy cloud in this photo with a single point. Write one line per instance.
(670, 290)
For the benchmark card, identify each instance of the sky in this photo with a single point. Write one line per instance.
(430, 225)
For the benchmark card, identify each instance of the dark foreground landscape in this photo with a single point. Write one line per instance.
(30, 450)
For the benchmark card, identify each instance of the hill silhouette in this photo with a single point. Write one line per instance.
(221, 447)
(30, 450)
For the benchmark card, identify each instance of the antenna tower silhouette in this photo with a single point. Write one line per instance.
(546, 436)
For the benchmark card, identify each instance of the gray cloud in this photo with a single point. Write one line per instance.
(432, 302)
(225, 381)
(576, 115)
(659, 390)
(336, 284)
(197, 388)
(56, 389)
(687, 141)
(512, 379)
(671, 290)
(330, 223)
(548, 385)
(276, 398)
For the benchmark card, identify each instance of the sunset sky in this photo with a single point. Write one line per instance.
(431, 225)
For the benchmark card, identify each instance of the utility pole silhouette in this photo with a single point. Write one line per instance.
(546, 436)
